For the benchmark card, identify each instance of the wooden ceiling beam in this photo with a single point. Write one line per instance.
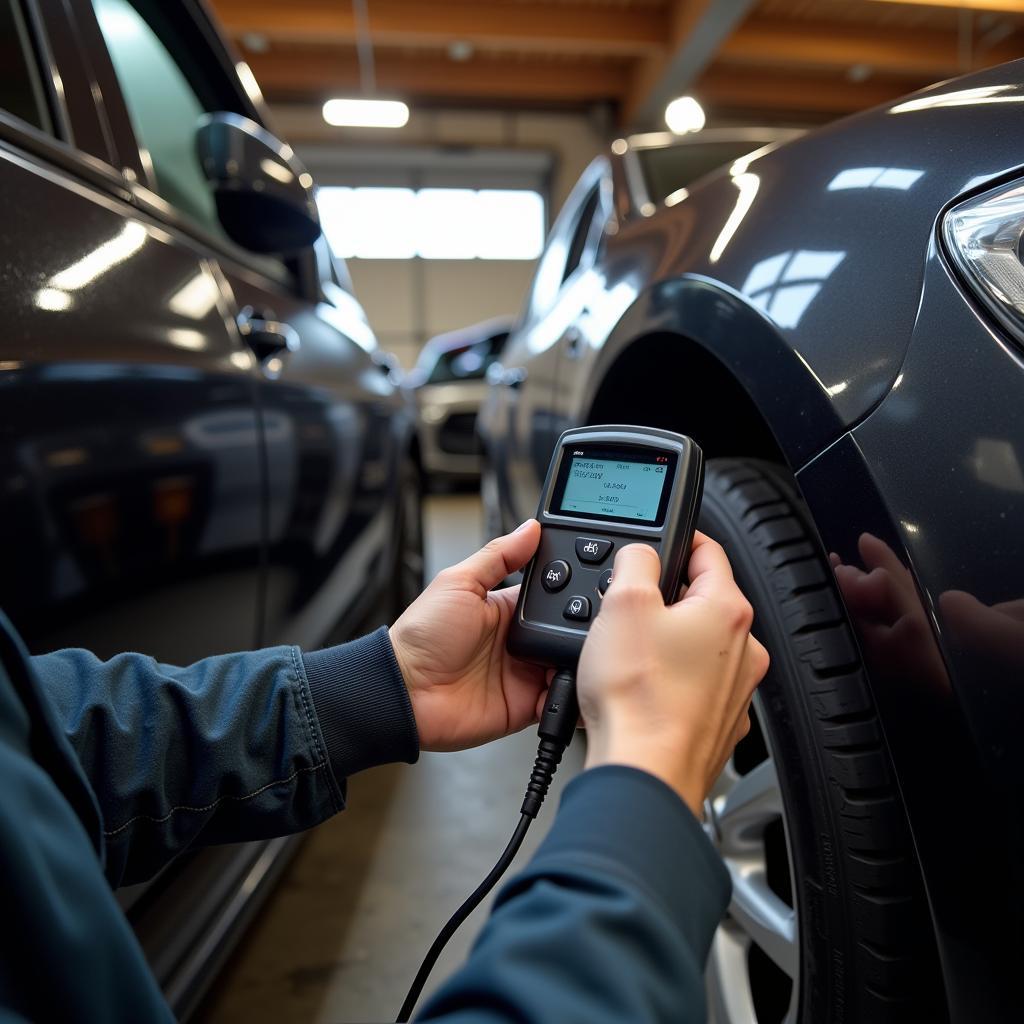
(315, 75)
(917, 54)
(696, 31)
(735, 89)
(1003, 6)
(502, 24)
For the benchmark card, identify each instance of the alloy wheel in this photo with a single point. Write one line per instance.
(753, 972)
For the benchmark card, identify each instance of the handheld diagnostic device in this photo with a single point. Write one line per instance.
(607, 486)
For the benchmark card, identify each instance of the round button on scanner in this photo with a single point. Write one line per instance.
(578, 608)
(555, 575)
(604, 582)
(592, 550)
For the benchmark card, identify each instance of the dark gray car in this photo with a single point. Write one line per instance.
(839, 322)
(198, 450)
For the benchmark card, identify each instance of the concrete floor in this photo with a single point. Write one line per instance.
(342, 935)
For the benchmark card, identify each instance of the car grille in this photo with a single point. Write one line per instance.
(458, 434)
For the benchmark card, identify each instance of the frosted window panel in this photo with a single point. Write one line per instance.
(447, 223)
(512, 223)
(335, 205)
(383, 222)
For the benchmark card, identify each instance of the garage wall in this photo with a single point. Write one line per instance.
(409, 301)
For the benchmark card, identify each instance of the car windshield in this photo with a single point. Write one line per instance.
(468, 362)
(667, 169)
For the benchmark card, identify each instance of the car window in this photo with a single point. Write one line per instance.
(562, 254)
(582, 232)
(163, 106)
(467, 363)
(667, 169)
(21, 88)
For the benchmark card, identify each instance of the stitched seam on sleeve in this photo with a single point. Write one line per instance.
(209, 807)
(310, 724)
(312, 728)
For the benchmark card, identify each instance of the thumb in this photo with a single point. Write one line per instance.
(501, 556)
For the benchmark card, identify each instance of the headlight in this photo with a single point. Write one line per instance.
(983, 238)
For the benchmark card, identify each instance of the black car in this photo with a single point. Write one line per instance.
(448, 383)
(839, 322)
(199, 452)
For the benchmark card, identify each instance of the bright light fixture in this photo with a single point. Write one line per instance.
(684, 114)
(352, 113)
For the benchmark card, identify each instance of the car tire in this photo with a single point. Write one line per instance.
(828, 921)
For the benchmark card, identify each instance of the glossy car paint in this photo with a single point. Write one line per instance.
(814, 277)
(162, 488)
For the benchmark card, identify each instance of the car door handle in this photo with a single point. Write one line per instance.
(264, 335)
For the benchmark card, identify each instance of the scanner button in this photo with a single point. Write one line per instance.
(578, 608)
(555, 575)
(592, 550)
(604, 582)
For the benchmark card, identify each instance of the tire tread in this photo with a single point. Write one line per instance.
(885, 897)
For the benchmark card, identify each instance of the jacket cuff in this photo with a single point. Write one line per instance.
(628, 821)
(362, 704)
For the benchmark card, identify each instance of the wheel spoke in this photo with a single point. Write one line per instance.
(753, 801)
(764, 917)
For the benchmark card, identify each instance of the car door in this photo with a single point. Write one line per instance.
(525, 415)
(129, 456)
(327, 409)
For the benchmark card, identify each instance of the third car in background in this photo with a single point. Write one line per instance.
(449, 383)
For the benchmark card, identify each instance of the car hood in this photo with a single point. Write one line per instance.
(828, 235)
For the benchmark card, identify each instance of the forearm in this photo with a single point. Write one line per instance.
(236, 747)
(611, 920)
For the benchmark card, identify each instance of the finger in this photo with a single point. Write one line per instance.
(637, 565)
(503, 555)
(983, 628)
(758, 658)
(872, 596)
(1014, 609)
(878, 555)
(709, 568)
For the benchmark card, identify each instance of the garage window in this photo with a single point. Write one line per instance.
(433, 223)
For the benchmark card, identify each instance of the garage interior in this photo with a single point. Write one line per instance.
(508, 104)
(556, 81)
(517, 94)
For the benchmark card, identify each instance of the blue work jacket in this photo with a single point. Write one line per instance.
(111, 769)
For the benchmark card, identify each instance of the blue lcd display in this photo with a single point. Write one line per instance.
(614, 488)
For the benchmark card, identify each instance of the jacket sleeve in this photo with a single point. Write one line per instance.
(235, 747)
(611, 921)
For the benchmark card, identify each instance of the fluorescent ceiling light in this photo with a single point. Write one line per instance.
(684, 114)
(349, 113)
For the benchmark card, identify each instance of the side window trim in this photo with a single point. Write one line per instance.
(139, 181)
(78, 144)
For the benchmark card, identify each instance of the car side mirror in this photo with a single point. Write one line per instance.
(264, 195)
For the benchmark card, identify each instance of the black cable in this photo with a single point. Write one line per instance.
(557, 723)
(460, 915)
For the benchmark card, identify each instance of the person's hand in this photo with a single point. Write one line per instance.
(450, 646)
(667, 689)
(995, 630)
(891, 621)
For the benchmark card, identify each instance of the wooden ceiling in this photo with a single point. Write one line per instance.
(763, 60)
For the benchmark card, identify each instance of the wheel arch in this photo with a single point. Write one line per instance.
(692, 355)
